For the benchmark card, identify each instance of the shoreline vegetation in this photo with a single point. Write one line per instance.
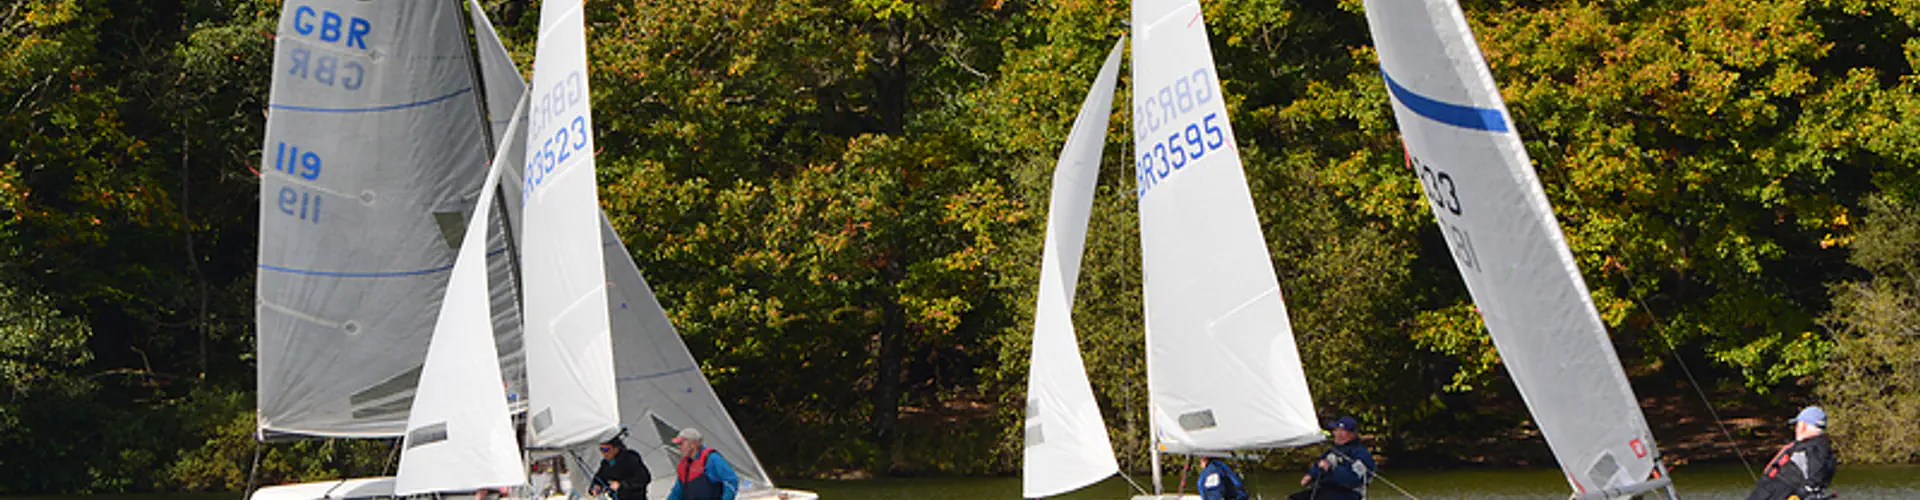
(841, 205)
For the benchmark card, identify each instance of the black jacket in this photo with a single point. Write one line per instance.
(626, 468)
(1803, 470)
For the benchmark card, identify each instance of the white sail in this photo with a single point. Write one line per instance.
(459, 435)
(662, 389)
(569, 358)
(1066, 439)
(1481, 186)
(1222, 369)
(370, 164)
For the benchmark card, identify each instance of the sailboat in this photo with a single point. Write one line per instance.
(367, 173)
(1066, 440)
(1223, 372)
(1479, 183)
(659, 387)
(658, 383)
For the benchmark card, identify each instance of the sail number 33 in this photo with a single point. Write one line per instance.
(1444, 196)
(558, 145)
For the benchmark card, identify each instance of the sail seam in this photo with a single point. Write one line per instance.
(375, 109)
(655, 375)
(369, 274)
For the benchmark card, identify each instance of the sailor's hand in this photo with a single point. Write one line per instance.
(613, 484)
(1324, 465)
(1306, 478)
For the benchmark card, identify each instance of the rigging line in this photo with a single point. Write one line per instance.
(1735, 445)
(1136, 486)
(1396, 487)
(1375, 473)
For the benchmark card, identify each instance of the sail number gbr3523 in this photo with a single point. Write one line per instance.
(1444, 196)
(1164, 149)
(560, 138)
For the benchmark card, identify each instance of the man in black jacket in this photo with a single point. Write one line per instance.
(621, 471)
(1803, 470)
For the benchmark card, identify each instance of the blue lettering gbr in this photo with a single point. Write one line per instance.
(328, 27)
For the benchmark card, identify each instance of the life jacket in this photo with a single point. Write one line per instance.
(1230, 485)
(694, 483)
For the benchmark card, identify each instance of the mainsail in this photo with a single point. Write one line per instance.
(1461, 142)
(570, 373)
(1066, 439)
(1222, 369)
(459, 434)
(369, 166)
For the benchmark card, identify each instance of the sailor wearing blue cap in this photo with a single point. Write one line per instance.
(1344, 471)
(1803, 469)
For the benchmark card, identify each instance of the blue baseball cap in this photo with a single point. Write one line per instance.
(1347, 423)
(1812, 415)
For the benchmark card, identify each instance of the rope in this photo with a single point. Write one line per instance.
(1375, 473)
(1136, 486)
(253, 472)
(1396, 487)
(593, 478)
(1735, 445)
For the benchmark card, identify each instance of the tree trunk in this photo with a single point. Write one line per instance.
(893, 351)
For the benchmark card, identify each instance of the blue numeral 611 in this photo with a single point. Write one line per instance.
(292, 160)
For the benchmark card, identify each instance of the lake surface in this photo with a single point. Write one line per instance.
(1715, 482)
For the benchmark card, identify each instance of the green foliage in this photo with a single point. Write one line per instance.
(1872, 382)
(842, 205)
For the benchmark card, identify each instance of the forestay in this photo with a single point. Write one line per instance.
(1066, 439)
(662, 389)
(459, 436)
(370, 162)
(1482, 189)
(569, 359)
(1222, 368)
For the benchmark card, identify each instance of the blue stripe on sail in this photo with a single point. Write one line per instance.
(383, 274)
(374, 109)
(637, 378)
(345, 274)
(1452, 114)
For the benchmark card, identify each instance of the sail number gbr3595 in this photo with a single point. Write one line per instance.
(1444, 196)
(1164, 148)
(558, 122)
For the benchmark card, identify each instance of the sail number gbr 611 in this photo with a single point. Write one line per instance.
(1164, 149)
(1444, 196)
(560, 138)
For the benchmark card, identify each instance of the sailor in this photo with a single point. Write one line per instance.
(1344, 471)
(1803, 469)
(622, 472)
(1217, 481)
(702, 473)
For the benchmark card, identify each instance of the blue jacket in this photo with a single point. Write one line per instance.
(1216, 479)
(717, 471)
(1352, 469)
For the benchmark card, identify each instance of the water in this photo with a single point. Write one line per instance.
(1716, 482)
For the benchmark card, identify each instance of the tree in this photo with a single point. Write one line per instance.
(1872, 382)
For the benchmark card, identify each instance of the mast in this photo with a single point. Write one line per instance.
(486, 125)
